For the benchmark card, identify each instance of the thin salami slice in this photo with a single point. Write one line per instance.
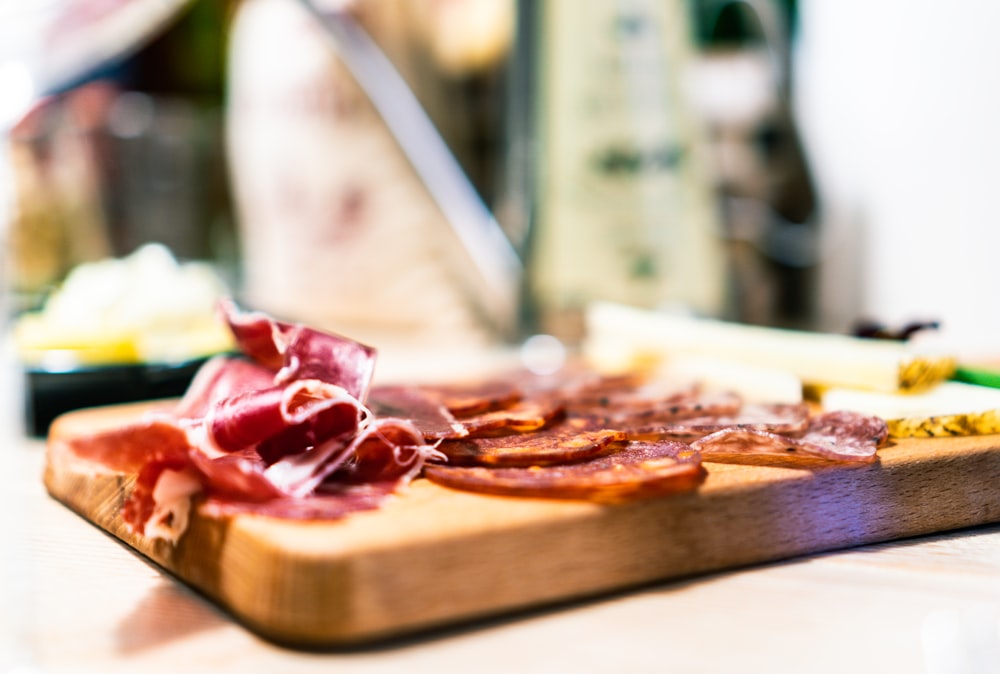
(836, 436)
(640, 470)
(636, 413)
(523, 417)
(787, 419)
(562, 443)
(470, 399)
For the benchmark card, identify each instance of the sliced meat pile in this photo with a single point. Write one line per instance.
(579, 434)
(293, 428)
(281, 431)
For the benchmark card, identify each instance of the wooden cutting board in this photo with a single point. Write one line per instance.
(433, 557)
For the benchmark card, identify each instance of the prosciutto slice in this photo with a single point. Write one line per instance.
(421, 407)
(295, 351)
(281, 420)
(279, 430)
(220, 378)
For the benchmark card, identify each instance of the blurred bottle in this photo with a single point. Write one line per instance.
(615, 177)
(740, 86)
(336, 227)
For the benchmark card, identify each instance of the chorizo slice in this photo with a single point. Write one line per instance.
(523, 417)
(640, 412)
(639, 470)
(475, 398)
(562, 443)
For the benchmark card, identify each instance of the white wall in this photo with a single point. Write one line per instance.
(899, 105)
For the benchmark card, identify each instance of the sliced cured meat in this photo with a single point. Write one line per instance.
(429, 412)
(295, 351)
(523, 417)
(788, 419)
(423, 408)
(127, 449)
(285, 432)
(219, 378)
(282, 420)
(160, 503)
(384, 450)
(311, 354)
(640, 470)
(236, 476)
(837, 436)
(851, 433)
(470, 399)
(629, 412)
(320, 506)
(257, 335)
(566, 442)
(301, 473)
(387, 450)
(640, 396)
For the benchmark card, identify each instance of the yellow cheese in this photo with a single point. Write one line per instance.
(818, 359)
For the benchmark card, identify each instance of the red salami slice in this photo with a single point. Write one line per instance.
(566, 442)
(641, 470)
(523, 417)
(470, 399)
(837, 436)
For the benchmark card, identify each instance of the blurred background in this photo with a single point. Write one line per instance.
(801, 163)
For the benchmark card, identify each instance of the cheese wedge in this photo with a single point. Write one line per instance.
(818, 359)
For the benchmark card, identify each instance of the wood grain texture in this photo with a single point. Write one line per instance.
(433, 557)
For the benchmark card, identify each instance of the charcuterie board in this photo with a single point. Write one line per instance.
(435, 557)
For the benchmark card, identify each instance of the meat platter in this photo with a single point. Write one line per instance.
(433, 557)
(295, 545)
